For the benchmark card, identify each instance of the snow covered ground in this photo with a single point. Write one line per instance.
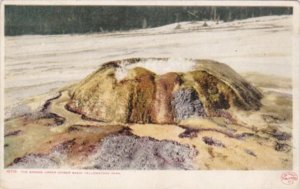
(36, 64)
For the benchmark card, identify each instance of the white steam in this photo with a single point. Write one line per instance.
(159, 67)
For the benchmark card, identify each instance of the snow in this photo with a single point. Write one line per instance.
(35, 64)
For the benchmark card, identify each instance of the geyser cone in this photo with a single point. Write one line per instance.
(161, 91)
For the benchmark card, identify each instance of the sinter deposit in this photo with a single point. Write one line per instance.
(128, 91)
(156, 113)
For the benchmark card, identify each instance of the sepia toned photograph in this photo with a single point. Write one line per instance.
(148, 87)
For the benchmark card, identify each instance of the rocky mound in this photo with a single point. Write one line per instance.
(118, 151)
(206, 89)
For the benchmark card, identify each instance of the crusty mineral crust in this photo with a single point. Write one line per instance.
(145, 97)
(186, 104)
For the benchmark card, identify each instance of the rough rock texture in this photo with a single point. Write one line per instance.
(162, 111)
(118, 152)
(248, 97)
(100, 97)
(142, 96)
(186, 104)
(211, 90)
(34, 161)
(131, 152)
(145, 97)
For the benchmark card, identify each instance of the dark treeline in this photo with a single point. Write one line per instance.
(20, 20)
